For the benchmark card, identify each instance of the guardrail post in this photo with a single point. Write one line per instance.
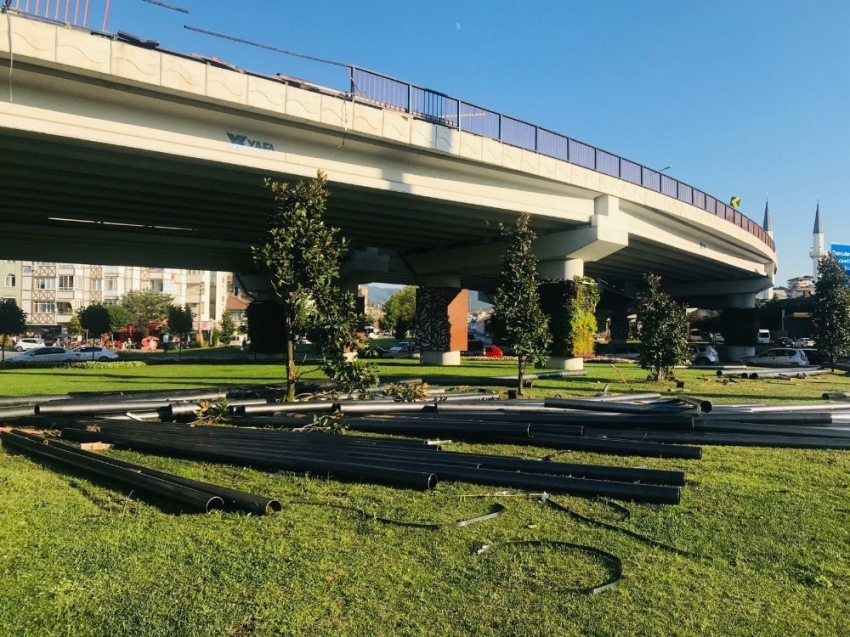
(458, 115)
(536, 136)
(410, 98)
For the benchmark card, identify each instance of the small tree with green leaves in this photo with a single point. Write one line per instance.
(663, 331)
(301, 255)
(180, 322)
(516, 306)
(96, 320)
(228, 328)
(399, 312)
(119, 317)
(13, 320)
(75, 328)
(831, 312)
(146, 307)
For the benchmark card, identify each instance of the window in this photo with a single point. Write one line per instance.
(96, 285)
(10, 280)
(67, 282)
(63, 307)
(111, 284)
(45, 284)
(45, 307)
(27, 269)
(112, 301)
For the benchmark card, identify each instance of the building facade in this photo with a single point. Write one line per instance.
(52, 293)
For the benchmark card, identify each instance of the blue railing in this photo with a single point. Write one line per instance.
(451, 112)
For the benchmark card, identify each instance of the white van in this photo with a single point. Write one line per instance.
(764, 337)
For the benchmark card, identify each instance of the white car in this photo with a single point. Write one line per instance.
(804, 342)
(94, 353)
(779, 356)
(25, 344)
(45, 355)
(703, 354)
(626, 352)
(764, 337)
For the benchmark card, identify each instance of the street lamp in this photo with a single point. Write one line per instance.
(663, 169)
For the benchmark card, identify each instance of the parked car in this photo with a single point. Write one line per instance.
(779, 357)
(628, 352)
(804, 342)
(718, 338)
(703, 355)
(25, 344)
(491, 351)
(764, 337)
(93, 353)
(783, 341)
(695, 336)
(400, 350)
(816, 357)
(45, 355)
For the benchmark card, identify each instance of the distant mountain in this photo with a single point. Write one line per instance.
(380, 294)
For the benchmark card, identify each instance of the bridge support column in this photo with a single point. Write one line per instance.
(740, 311)
(441, 324)
(556, 293)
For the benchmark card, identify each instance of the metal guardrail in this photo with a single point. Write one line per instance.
(432, 106)
(73, 12)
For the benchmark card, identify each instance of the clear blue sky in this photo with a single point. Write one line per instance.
(742, 98)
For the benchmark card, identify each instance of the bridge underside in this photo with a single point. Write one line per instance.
(71, 201)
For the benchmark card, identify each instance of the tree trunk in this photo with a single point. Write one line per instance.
(290, 371)
(3, 349)
(520, 374)
(288, 333)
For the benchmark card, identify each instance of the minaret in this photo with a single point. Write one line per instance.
(767, 226)
(818, 249)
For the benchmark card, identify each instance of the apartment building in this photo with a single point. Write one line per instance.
(51, 293)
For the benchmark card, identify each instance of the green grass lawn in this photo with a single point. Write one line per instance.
(771, 530)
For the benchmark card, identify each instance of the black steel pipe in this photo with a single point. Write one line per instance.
(8, 413)
(795, 418)
(30, 400)
(66, 408)
(670, 421)
(610, 407)
(232, 498)
(192, 497)
(741, 440)
(338, 469)
(723, 426)
(412, 428)
(617, 447)
(316, 406)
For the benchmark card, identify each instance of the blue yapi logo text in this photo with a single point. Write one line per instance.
(242, 140)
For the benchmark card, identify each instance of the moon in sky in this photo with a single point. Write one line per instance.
(457, 26)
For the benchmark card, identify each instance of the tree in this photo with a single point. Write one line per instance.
(119, 317)
(301, 255)
(95, 319)
(228, 328)
(516, 306)
(831, 312)
(663, 331)
(399, 312)
(180, 322)
(74, 326)
(146, 307)
(13, 320)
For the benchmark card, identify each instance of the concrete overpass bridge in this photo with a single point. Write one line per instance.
(115, 151)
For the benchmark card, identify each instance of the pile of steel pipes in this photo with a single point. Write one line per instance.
(401, 463)
(194, 494)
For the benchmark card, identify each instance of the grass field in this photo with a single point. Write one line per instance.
(770, 530)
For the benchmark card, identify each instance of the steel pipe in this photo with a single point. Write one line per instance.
(196, 499)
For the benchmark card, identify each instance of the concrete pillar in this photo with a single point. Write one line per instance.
(742, 301)
(555, 292)
(441, 324)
